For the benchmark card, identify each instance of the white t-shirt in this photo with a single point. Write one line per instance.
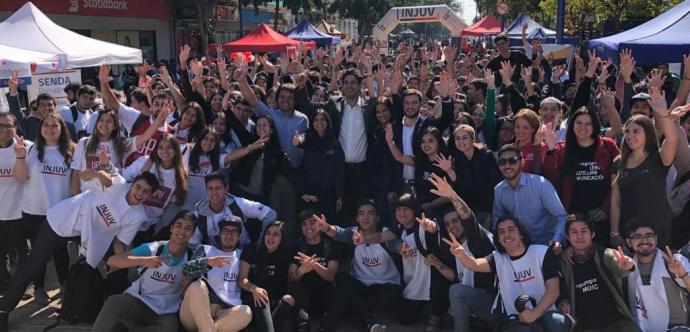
(48, 181)
(223, 280)
(353, 136)
(372, 265)
(10, 189)
(416, 273)
(180, 134)
(160, 198)
(82, 162)
(196, 183)
(127, 116)
(98, 217)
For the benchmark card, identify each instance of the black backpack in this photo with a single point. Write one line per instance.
(83, 298)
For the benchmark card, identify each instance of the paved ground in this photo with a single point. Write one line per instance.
(31, 317)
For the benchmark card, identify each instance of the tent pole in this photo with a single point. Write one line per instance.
(560, 21)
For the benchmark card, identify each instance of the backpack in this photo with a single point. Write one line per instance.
(83, 297)
(203, 227)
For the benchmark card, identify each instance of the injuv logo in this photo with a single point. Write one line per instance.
(98, 4)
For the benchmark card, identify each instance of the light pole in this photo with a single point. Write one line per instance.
(560, 21)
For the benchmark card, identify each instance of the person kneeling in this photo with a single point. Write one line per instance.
(152, 300)
(213, 302)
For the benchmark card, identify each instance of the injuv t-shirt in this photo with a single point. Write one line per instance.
(11, 190)
(48, 181)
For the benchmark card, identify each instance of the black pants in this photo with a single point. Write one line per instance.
(12, 245)
(361, 298)
(271, 318)
(47, 242)
(410, 310)
(311, 299)
(31, 225)
(355, 190)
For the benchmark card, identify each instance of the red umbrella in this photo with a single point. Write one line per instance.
(264, 39)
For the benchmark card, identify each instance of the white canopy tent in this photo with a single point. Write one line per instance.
(38, 61)
(29, 29)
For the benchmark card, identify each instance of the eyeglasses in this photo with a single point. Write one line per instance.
(647, 237)
(511, 161)
(6, 126)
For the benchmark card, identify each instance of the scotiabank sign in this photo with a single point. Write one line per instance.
(154, 9)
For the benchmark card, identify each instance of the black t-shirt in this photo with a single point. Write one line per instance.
(595, 304)
(269, 272)
(323, 256)
(422, 173)
(549, 266)
(591, 186)
(517, 59)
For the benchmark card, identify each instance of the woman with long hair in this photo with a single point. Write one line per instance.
(323, 169)
(164, 161)
(382, 169)
(434, 159)
(200, 159)
(106, 140)
(476, 170)
(505, 132)
(264, 275)
(45, 171)
(192, 122)
(639, 188)
(580, 168)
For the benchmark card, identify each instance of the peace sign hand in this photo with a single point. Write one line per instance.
(674, 266)
(626, 263)
(427, 224)
(19, 147)
(322, 223)
(455, 247)
(657, 100)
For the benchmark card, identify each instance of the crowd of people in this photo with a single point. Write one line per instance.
(499, 188)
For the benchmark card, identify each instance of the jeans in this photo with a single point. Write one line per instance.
(274, 317)
(283, 200)
(361, 298)
(550, 321)
(46, 243)
(466, 301)
(12, 245)
(133, 313)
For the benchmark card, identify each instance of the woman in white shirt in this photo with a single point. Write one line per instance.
(165, 161)
(191, 123)
(107, 139)
(200, 159)
(45, 171)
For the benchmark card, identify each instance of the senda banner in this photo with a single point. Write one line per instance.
(154, 9)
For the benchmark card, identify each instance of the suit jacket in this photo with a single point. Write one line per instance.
(335, 107)
(442, 123)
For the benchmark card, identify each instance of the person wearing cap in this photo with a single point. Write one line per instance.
(312, 272)
(212, 302)
(153, 300)
(221, 205)
(373, 281)
(522, 269)
(594, 275)
(79, 112)
(640, 104)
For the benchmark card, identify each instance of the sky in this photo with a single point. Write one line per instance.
(469, 9)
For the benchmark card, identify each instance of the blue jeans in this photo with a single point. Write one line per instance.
(466, 301)
(550, 321)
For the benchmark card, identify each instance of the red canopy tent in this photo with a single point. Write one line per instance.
(486, 26)
(264, 39)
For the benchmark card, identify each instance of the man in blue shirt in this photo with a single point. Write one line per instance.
(530, 198)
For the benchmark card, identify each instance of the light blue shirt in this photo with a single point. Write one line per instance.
(286, 127)
(535, 204)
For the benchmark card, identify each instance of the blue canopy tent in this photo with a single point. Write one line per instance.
(306, 31)
(663, 39)
(534, 30)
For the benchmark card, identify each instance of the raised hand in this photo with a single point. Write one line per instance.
(19, 147)
(627, 65)
(396, 81)
(443, 188)
(405, 250)
(490, 79)
(550, 135)
(506, 72)
(13, 82)
(104, 155)
(259, 143)
(103, 71)
(456, 248)
(526, 74)
(557, 73)
(604, 73)
(196, 68)
(184, 55)
(656, 78)
(450, 54)
(626, 263)
(322, 223)
(674, 266)
(593, 63)
(678, 112)
(163, 114)
(389, 133)
(444, 163)
(427, 224)
(658, 100)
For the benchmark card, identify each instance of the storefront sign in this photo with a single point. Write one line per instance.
(154, 9)
(54, 84)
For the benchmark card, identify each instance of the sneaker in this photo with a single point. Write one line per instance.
(434, 324)
(373, 326)
(41, 297)
(4, 317)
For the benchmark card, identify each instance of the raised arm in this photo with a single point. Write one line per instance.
(662, 119)
(109, 98)
(405, 160)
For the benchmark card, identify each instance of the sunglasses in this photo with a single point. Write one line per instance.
(510, 161)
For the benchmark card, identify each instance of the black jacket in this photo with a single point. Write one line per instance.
(476, 178)
(324, 163)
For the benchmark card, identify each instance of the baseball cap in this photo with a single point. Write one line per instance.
(230, 222)
(640, 97)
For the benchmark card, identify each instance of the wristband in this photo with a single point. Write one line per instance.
(20, 157)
